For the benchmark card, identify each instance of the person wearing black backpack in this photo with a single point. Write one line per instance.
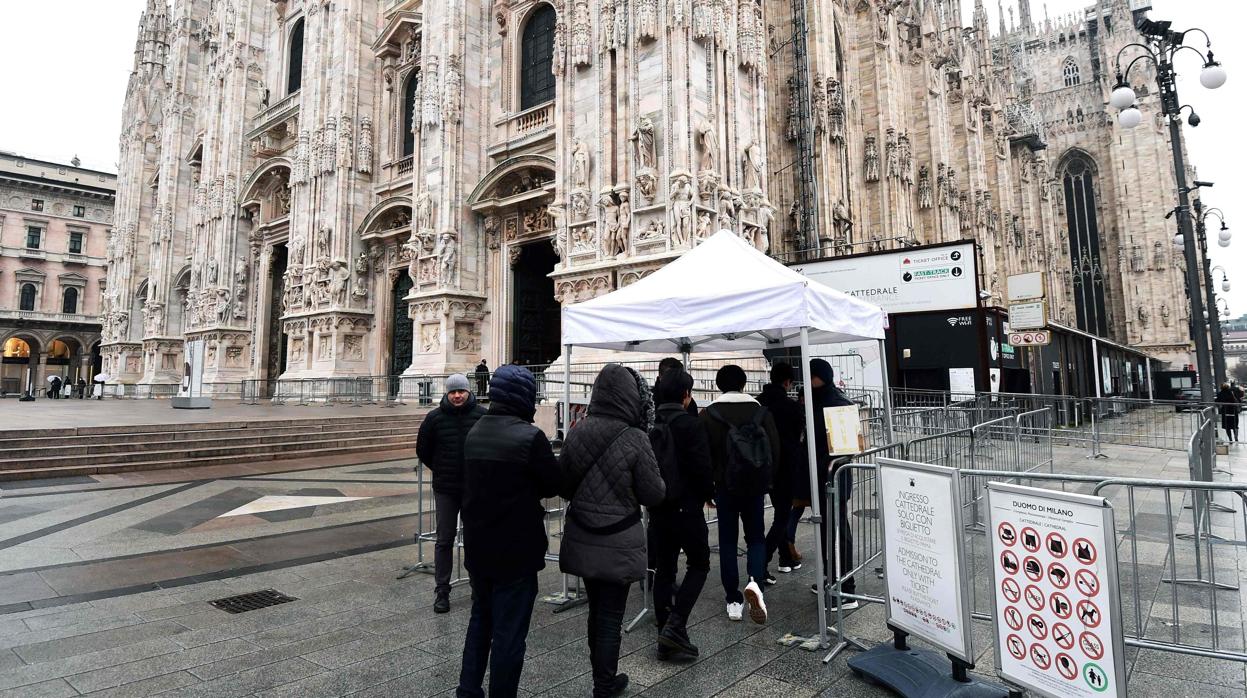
(744, 450)
(679, 443)
(609, 473)
(789, 418)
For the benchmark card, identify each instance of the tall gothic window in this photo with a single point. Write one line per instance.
(294, 68)
(409, 113)
(70, 304)
(1070, 72)
(28, 297)
(537, 58)
(1084, 243)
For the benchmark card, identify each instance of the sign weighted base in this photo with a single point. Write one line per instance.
(192, 403)
(917, 673)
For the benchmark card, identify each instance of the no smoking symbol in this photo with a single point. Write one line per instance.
(1087, 582)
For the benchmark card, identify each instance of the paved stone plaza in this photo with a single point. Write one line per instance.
(104, 590)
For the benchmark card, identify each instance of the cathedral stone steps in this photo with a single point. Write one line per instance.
(89, 448)
(69, 452)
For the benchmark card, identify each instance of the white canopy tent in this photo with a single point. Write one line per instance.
(725, 295)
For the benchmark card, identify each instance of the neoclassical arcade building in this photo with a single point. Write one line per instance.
(322, 188)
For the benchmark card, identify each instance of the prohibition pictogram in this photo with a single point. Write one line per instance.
(1063, 636)
(1032, 568)
(1091, 645)
(1085, 552)
(1007, 534)
(1030, 539)
(1034, 598)
(1058, 575)
(1017, 648)
(1038, 626)
(1087, 582)
(1060, 605)
(1057, 545)
(1040, 656)
(1009, 587)
(1013, 617)
(1009, 562)
(1088, 613)
(1066, 666)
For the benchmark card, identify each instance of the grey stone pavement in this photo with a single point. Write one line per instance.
(356, 630)
(110, 412)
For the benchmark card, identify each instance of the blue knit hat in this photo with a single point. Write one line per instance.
(515, 388)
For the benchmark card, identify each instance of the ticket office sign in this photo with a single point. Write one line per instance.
(923, 555)
(1058, 620)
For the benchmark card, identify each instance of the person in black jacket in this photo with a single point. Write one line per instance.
(669, 364)
(826, 394)
(482, 377)
(439, 446)
(679, 523)
(737, 509)
(509, 467)
(1228, 401)
(790, 423)
(609, 472)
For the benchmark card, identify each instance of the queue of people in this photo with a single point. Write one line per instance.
(636, 449)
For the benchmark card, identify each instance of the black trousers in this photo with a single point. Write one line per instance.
(444, 548)
(843, 561)
(607, 602)
(497, 636)
(672, 532)
(777, 536)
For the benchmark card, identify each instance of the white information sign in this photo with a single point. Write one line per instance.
(961, 382)
(192, 369)
(919, 506)
(1025, 286)
(917, 279)
(1058, 624)
(1027, 316)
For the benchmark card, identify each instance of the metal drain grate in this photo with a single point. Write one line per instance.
(252, 601)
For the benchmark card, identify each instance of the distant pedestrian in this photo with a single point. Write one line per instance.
(482, 377)
(790, 423)
(609, 472)
(55, 392)
(439, 446)
(82, 388)
(509, 467)
(744, 448)
(1231, 406)
(678, 523)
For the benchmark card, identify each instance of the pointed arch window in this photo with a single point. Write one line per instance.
(70, 303)
(410, 89)
(27, 301)
(1070, 72)
(294, 67)
(537, 58)
(1083, 226)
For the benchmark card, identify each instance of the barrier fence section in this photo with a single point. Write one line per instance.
(426, 510)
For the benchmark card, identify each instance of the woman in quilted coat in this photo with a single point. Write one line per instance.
(609, 473)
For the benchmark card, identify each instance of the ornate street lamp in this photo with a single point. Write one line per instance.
(1162, 44)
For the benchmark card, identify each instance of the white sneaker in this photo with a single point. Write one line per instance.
(735, 611)
(757, 605)
(848, 605)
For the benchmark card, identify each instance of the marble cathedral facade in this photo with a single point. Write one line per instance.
(322, 188)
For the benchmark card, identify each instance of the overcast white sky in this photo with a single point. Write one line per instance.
(64, 66)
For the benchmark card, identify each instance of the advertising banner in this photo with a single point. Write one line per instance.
(1058, 621)
(923, 557)
(917, 279)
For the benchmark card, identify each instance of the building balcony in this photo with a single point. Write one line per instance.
(525, 128)
(275, 129)
(32, 253)
(75, 258)
(49, 317)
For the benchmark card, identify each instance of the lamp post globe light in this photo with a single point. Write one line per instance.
(1160, 45)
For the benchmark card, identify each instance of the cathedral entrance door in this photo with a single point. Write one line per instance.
(401, 327)
(275, 361)
(535, 314)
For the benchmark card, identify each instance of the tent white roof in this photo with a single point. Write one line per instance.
(724, 295)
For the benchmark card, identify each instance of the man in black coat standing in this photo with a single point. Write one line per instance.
(482, 378)
(825, 394)
(679, 524)
(439, 445)
(509, 467)
(790, 423)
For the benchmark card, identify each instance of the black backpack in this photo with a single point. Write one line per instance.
(748, 467)
(663, 442)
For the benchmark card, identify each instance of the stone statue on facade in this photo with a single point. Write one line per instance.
(647, 185)
(751, 166)
(212, 271)
(580, 165)
(681, 208)
(643, 139)
(709, 147)
(322, 242)
(727, 211)
(871, 157)
(840, 220)
(703, 225)
(423, 212)
(611, 246)
(835, 107)
(924, 187)
(413, 249)
(447, 257)
(340, 283)
(624, 215)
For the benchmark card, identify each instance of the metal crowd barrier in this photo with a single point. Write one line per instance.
(425, 511)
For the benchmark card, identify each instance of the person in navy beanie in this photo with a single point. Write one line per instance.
(509, 467)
